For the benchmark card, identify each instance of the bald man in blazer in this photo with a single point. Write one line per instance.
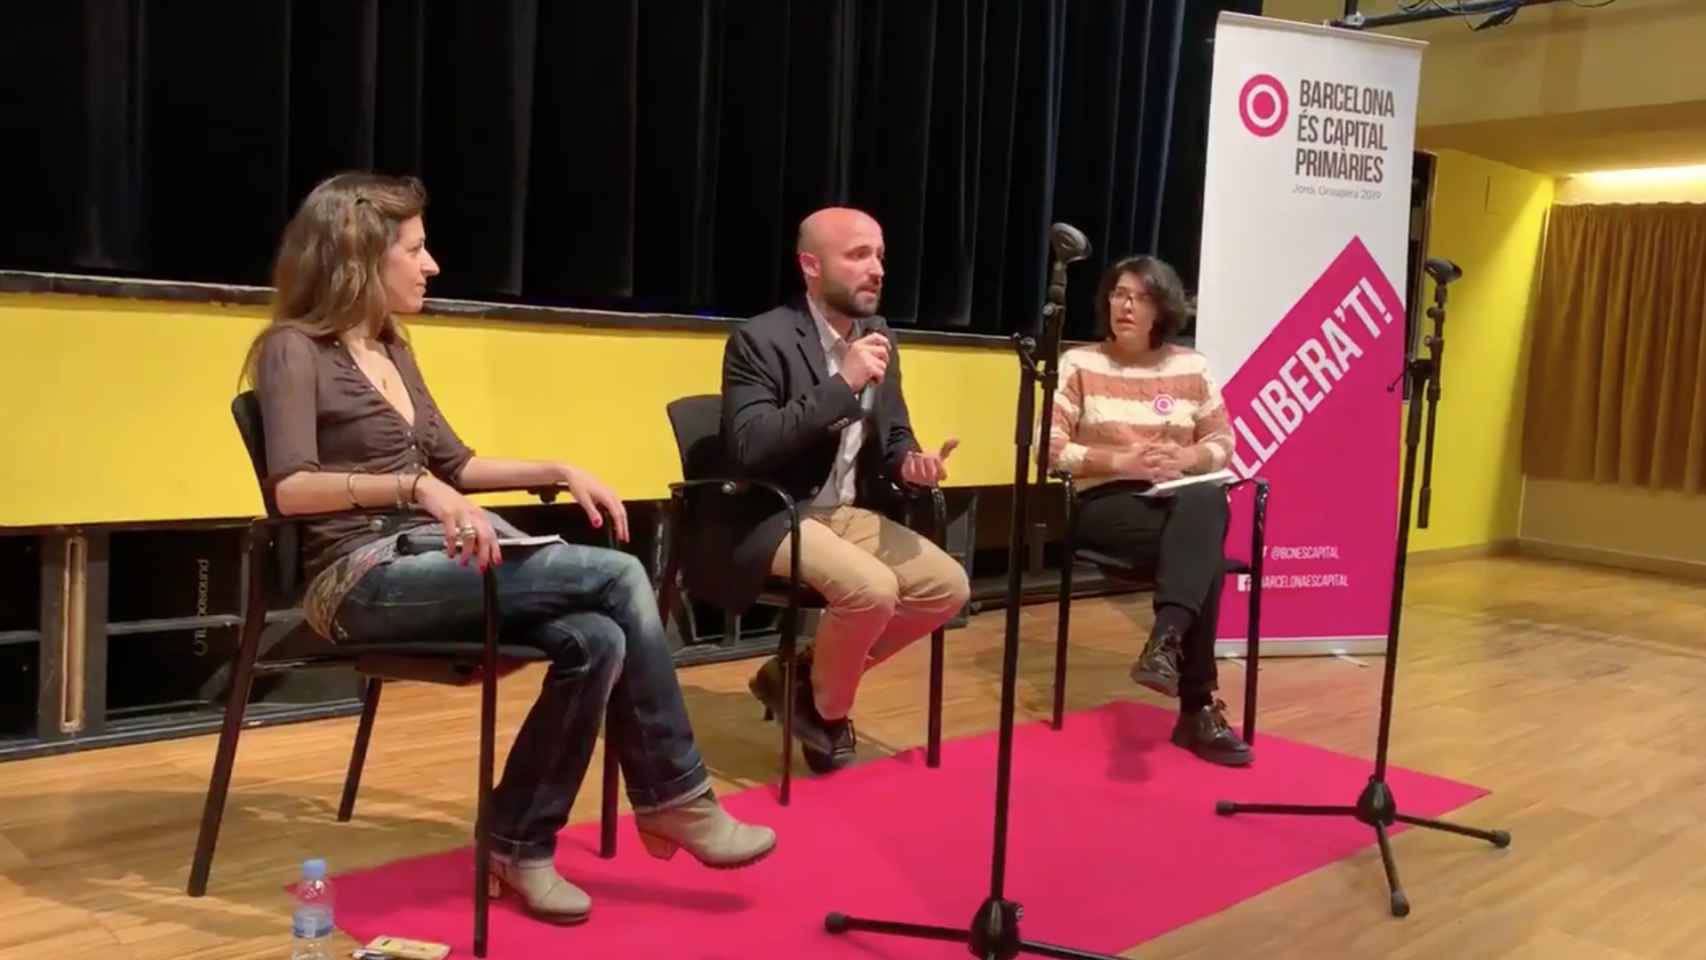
(792, 415)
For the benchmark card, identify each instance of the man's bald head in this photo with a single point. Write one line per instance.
(826, 225)
(840, 252)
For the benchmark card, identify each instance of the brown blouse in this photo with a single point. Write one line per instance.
(322, 413)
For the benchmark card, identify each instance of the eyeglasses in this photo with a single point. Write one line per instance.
(1133, 297)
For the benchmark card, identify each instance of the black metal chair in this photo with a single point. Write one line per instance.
(272, 548)
(1120, 569)
(697, 422)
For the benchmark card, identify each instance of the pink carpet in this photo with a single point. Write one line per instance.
(1113, 841)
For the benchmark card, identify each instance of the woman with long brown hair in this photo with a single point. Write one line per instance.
(350, 423)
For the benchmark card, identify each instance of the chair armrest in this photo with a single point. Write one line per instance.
(911, 494)
(547, 494)
(730, 487)
(286, 519)
(1260, 507)
(1068, 490)
(1260, 483)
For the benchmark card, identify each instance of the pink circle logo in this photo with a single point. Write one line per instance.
(1263, 105)
(1164, 404)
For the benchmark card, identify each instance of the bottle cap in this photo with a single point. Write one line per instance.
(314, 869)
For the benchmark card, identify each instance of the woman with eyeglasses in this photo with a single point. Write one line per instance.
(1130, 412)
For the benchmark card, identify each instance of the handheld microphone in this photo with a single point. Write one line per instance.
(867, 393)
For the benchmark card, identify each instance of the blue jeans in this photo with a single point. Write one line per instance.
(592, 611)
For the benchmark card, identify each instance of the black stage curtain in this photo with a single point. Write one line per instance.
(644, 155)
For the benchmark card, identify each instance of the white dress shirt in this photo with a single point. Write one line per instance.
(840, 487)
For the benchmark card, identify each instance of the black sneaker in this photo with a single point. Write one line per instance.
(1157, 667)
(844, 744)
(1206, 733)
(809, 728)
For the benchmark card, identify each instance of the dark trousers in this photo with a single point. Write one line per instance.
(1178, 540)
(593, 612)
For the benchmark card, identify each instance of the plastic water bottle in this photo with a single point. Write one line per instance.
(311, 921)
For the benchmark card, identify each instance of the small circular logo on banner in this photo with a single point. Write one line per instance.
(1164, 404)
(1263, 105)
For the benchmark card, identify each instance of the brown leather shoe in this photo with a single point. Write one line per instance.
(707, 831)
(809, 728)
(1206, 733)
(544, 893)
(843, 750)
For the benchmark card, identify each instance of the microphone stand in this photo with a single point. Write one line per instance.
(994, 930)
(1376, 806)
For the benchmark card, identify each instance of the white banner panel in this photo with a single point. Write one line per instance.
(1301, 311)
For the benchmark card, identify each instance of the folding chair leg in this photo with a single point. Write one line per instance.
(938, 534)
(612, 778)
(488, 733)
(236, 705)
(933, 745)
(666, 582)
(1252, 662)
(789, 668)
(358, 754)
(1063, 627)
(213, 810)
(1253, 642)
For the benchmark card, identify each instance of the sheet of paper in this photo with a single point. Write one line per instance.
(1218, 478)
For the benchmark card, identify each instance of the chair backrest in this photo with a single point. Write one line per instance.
(246, 410)
(287, 555)
(698, 425)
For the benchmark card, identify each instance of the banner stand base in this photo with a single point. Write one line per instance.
(1325, 647)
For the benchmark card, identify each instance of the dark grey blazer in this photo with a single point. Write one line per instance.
(782, 420)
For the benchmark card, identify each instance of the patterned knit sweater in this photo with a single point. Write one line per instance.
(1103, 407)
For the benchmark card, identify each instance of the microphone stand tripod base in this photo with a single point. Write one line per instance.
(1377, 808)
(993, 934)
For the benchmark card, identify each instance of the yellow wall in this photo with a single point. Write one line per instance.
(1488, 219)
(1614, 523)
(1653, 185)
(119, 410)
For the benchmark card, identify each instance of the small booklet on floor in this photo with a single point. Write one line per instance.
(1219, 478)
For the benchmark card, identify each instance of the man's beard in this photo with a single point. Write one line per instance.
(845, 302)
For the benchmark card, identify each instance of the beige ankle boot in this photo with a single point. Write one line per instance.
(707, 831)
(544, 893)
